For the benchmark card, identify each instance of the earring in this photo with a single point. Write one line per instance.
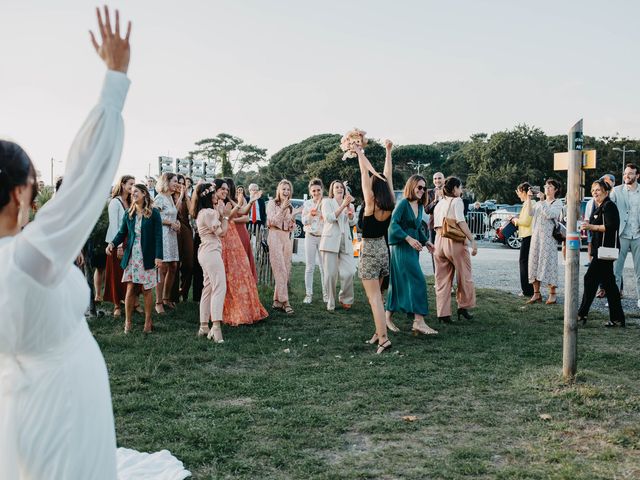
(19, 212)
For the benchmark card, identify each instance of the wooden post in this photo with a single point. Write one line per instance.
(572, 263)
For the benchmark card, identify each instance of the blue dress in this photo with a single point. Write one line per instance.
(407, 285)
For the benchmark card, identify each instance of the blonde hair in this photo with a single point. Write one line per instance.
(278, 197)
(332, 185)
(163, 183)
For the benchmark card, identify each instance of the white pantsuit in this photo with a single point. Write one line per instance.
(336, 250)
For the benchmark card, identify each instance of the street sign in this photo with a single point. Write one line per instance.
(561, 160)
(165, 164)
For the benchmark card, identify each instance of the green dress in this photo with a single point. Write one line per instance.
(407, 285)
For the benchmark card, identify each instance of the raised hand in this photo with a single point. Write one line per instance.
(114, 50)
(347, 200)
(388, 144)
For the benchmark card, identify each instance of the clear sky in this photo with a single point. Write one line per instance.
(275, 72)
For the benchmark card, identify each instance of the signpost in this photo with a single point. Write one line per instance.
(572, 262)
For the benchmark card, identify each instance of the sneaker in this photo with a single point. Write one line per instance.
(307, 299)
(325, 298)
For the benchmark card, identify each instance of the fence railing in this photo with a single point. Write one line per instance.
(479, 225)
(258, 235)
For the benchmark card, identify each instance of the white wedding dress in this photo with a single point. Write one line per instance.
(56, 420)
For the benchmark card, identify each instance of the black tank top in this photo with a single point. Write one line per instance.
(372, 227)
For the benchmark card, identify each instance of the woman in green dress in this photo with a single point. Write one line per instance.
(407, 285)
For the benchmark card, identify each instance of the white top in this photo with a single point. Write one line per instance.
(56, 419)
(336, 230)
(450, 208)
(632, 228)
(116, 213)
(312, 223)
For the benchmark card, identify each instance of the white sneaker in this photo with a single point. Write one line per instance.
(325, 297)
(307, 299)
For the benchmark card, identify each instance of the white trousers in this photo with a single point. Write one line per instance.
(311, 251)
(627, 245)
(338, 265)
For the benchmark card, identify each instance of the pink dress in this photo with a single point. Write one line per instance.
(242, 304)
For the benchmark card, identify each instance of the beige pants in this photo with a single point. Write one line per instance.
(215, 283)
(336, 265)
(280, 251)
(311, 250)
(451, 257)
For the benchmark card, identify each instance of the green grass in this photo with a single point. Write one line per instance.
(331, 409)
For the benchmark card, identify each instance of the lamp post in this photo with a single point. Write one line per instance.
(417, 165)
(52, 161)
(624, 154)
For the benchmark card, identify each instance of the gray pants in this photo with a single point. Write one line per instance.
(633, 246)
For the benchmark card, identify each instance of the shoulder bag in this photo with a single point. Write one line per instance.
(608, 253)
(450, 228)
(559, 230)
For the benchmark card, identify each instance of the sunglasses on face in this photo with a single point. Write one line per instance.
(420, 187)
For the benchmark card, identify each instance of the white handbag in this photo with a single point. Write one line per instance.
(608, 253)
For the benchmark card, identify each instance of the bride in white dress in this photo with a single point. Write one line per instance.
(56, 420)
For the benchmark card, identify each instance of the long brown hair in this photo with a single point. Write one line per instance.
(147, 205)
(119, 188)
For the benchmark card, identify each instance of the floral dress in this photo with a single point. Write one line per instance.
(135, 271)
(543, 253)
(168, 213)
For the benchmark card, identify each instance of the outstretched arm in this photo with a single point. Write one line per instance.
(388, 164)
(50, 243)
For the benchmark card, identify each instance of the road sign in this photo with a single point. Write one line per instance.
(561, 160)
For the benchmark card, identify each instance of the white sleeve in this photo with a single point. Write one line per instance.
(49, 245)
(458, 209)
(114, 219)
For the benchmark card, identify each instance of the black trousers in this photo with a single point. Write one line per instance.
(601, 272)
(527, 288)
(198, 275)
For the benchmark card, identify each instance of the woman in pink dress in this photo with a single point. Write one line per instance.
(212, 225)
(241, 222)
(242, 304)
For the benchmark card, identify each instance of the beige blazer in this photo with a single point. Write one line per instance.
(335, 228)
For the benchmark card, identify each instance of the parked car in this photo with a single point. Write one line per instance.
(513, 241)
(298, 231)
(505, 212)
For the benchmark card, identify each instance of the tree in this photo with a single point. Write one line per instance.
(295, 162)
(230, 153)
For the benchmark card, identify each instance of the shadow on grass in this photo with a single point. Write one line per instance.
(305, 397)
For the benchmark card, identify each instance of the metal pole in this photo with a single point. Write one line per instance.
(624, 154)
(52, 171)
(571, 281)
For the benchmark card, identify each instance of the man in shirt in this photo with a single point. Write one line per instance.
(627, 199)
(151, 186)
(258, 212)
(434, 195)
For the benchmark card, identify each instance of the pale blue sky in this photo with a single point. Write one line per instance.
(275, 72)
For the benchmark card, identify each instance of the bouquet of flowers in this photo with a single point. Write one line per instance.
(353, 138)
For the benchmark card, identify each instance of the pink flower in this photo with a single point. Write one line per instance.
(351, 139)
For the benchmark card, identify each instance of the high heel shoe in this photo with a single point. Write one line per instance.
(373, 340)
(537, 298)
(127, 327)
(160, 309)
(582, 319)
(215, 333)
(465, 313)
(203, 332)
(552, 300)
(423, 330)
(148, 328)
(391, 326)
(446, 319)
(383, 347)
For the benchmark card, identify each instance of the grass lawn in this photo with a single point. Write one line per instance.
(304, 397)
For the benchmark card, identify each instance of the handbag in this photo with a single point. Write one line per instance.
(559, 230)
(608, 253)
(450, 228)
